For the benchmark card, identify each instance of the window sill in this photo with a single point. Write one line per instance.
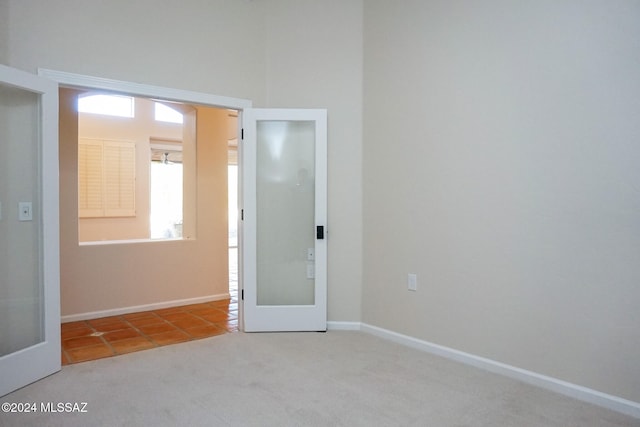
(132, 241)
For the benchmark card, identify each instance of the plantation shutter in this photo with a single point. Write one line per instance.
(119, 178)
(90, 178)
(106, 178)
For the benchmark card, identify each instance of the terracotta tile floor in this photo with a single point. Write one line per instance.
(110, 336)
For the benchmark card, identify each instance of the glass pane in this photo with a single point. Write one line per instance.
(21, 304)
(109, 105)
(285, 208)
(166, 200)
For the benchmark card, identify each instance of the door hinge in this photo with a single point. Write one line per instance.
(242, 133)
(241, 214)
(242, 294)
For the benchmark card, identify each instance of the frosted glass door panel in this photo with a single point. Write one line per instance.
(29, 229)
(21, 284)
(285, 212)
(284, 217)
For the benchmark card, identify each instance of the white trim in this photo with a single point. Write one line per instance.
(144, 90)
(575, 391)
(66, 79)
(26, 81)
(138, 308)
(344, 326)
(263, 318)
(132, 241)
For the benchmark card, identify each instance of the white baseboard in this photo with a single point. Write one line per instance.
(344, 326)
(137, 308)
(578, 392)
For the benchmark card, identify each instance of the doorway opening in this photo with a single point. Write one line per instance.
(232, 180)
(165, 267)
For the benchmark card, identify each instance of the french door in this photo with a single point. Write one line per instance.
(29, 260)
(284, 218)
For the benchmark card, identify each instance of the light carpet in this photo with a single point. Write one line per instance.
(338, 378)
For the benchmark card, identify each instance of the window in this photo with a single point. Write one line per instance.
(108, 105)
(136, 177)
(106, 178)
(166, 189)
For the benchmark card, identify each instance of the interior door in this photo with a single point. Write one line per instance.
(29, 261)
(284, 219)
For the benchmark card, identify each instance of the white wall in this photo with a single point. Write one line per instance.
(4, 31)
(214, 46)
(314, 60)
(501, 165)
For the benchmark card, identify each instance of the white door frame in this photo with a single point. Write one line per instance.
(262, 318)
(79, 81)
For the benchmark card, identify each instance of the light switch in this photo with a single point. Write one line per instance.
(25, 211)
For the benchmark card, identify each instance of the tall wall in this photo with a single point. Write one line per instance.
(501, 165)
(4, 31)
(214, 46)
(314, 60)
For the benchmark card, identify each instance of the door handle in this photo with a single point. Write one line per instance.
(320, 232)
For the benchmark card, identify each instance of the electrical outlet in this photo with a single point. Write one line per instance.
(412, 282)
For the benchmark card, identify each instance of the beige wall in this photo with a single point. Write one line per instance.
(141, 42)
(501, 165)
(314, 60)
(111, 276)
(140, 130)
(4, 31)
